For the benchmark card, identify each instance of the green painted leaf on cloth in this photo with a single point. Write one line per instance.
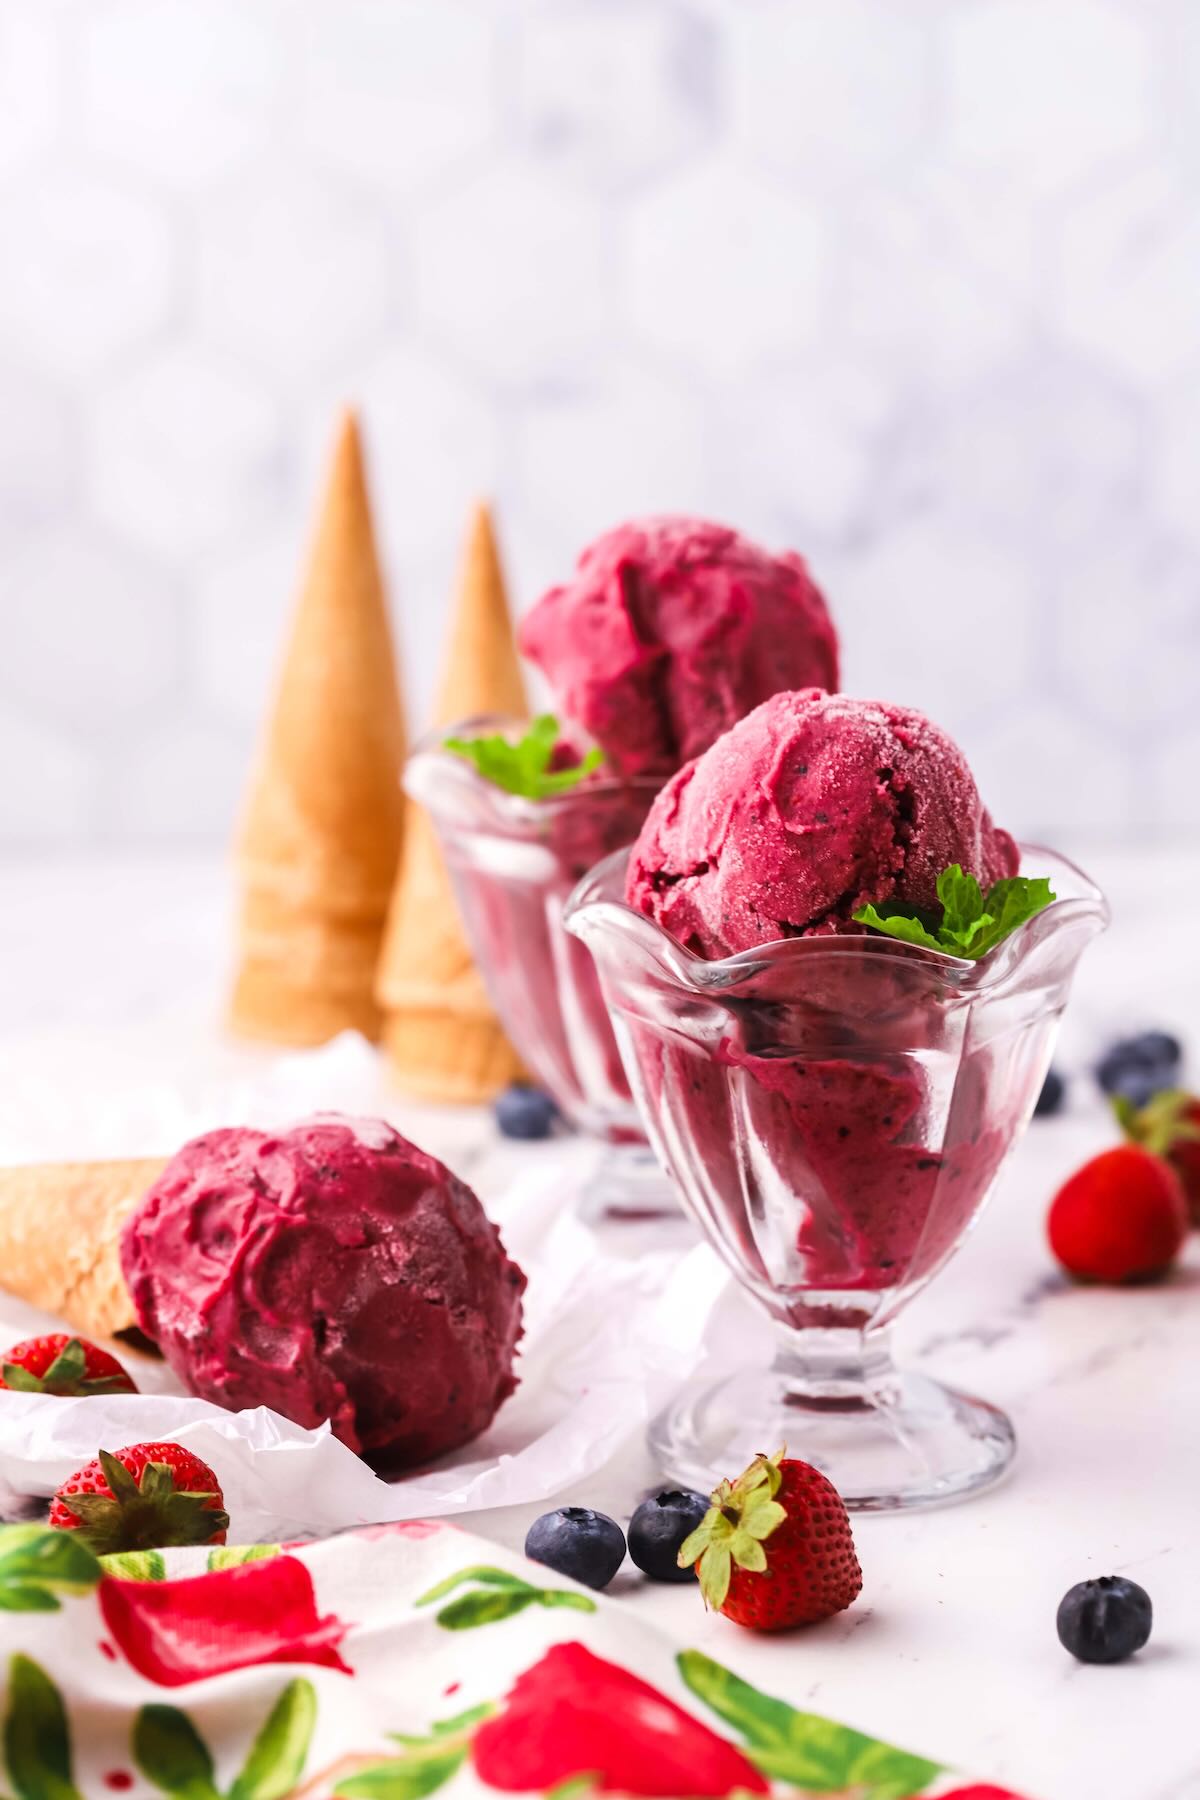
(170, 1752)
(135, 1565)
(16, 1598)
(407, 1777)
(501, 1597)
(232, 1556)
(277, 1756)
(803, 1748)
(487, 1606)
(481, 1573)
(35, 1561)
(37, 1742)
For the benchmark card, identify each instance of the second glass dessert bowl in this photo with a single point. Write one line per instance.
(513, 862)
(835, 1110)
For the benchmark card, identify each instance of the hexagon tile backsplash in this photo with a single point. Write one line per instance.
(911, 285)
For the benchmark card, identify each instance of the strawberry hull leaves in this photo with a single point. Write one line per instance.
(811, 1752)
(972, 923)
(524, 767)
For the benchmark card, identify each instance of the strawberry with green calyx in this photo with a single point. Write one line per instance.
(536, 766)
(145, 1497)
(1168, 1125)
(63, 1365)
(971, 922)
(775, 1549)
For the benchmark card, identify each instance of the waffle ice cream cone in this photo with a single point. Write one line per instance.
(60, 1234)
(442, 1038)
(320, 839)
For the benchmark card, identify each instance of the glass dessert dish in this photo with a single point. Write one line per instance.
(835, 1110)
(513, 863)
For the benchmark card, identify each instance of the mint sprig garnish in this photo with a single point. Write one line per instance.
(972, 922)
(524, 767)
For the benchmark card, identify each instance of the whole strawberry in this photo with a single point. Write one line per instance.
(58, 1364)
(1122, 1217)
(775, 1549)
(145, 1497)
(1169, 1125)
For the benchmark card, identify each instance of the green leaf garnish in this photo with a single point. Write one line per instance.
(524, 767)
(972, 922)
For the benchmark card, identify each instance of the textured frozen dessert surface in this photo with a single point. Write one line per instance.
(330, 1271)
(669, 631)
(811, 807)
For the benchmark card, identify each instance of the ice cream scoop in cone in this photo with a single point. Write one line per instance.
(440, 1033)
(60, 1238)
(319, 843)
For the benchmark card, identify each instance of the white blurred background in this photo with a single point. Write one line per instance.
(910, 285)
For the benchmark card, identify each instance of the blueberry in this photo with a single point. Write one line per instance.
(658, 1528)
(1054, 1092)
(1160, 1048)
(1104, 1621)
(525, 1112)
(1139, 1067)
(575, 1541)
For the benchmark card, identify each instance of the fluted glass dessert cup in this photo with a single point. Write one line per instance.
(513, 863)
(835, 1111)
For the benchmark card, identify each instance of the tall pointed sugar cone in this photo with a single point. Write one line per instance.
(320, 839)
(441, 1036)
(60, 1234)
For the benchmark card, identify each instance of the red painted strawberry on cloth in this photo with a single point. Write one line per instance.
(986, 1791)
(573, 1713)
(145, 1497)
(63, 1365)
(775, 1549)
(173, 1632)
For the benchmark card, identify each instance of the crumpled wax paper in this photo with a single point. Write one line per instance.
(607, 1340)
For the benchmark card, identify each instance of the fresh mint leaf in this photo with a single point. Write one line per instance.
(972, 922)
(904, 926)
(523, 767)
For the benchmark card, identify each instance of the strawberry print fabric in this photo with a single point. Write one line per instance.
(386, 1664)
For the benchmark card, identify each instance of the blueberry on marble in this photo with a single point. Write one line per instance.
(658, 1528)
(525, 1112)
(575, 1541)
(1050, 1100)
(1137, 1068)
(1105, 1620)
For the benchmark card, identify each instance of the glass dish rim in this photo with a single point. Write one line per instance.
(432, 744)
(700, 975)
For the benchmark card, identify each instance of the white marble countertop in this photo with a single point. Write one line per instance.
(951, 1649)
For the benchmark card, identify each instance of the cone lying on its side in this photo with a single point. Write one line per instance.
(442, 1038)
(60, 1238)
(319, 843)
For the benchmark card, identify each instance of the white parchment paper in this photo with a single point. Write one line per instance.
(607, 1340)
